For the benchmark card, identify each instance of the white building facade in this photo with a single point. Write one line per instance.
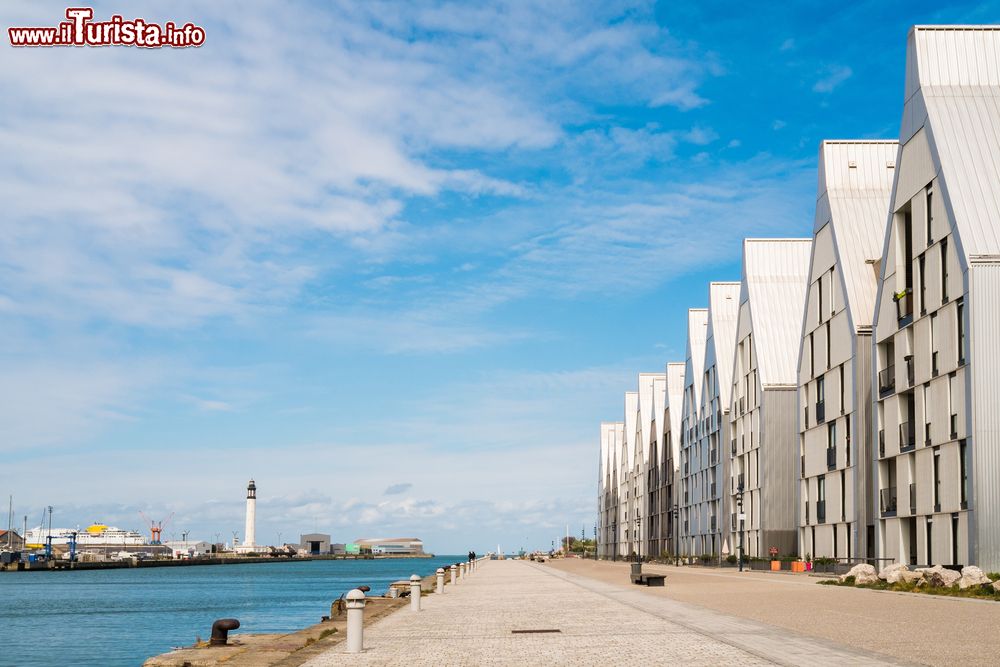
(764, 447)
(938, 312)
(836, 515)
(689, 543)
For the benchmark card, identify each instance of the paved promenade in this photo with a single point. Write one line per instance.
(598, 623)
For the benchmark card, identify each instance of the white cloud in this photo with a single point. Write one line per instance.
(835, 75)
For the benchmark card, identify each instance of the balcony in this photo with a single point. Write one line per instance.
(887, 380)
(904, 306)
(907, 440)
(887, 501)
(909, 369)
(913, 498)
(831, 458)
(881, 443)
(820, 511)
(820, 412)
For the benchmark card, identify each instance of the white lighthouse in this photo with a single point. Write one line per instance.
(249, 536)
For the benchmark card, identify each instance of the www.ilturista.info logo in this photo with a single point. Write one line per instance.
(80, 30)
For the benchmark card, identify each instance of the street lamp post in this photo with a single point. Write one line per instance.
(638, 539)
(739, 519)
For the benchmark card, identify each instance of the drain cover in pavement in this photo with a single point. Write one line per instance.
(532, 632)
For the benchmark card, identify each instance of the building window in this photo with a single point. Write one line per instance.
(934, 354)
(812, 356)
(833, 294)
(847, 439)
(828, 361)
(922, 263)
(831, 445)
(963, 467)
(954, 539)
(842, 389)
(961, 332)
(937, 480)
(930, 216)
(930, 541)
(944, 271)
(819, 295)
(843, 496)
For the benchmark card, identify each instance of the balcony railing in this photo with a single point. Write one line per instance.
(831, 458)
(820, 411)
(913, 498)
(881, 443)
(904, 306)
(820, 511)
(887, 501)
(909, 369)
(907, 440)
(887, 380)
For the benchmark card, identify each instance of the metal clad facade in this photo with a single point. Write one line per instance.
(984, 315)
(779, 479)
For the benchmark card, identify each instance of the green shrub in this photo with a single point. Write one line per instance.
(731, 559)
(705, 558)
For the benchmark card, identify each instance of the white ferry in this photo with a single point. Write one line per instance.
(93, 535)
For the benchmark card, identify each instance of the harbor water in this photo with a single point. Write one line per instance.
(121, 617)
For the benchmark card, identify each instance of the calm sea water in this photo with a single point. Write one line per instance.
(118, 618)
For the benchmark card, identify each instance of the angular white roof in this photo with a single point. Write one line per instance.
(775, 277)
(631, 413)
(675, 406)
(953, 91)
(646, 414)
(720, 345)
(659, 407)
(607, 446)
(695, 363)
(855, 184)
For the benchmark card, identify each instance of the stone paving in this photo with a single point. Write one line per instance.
(599, 624)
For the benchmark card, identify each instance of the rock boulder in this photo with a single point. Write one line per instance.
(891, 573)
(863, 573)
(907, 577)
(939, 576)
(972, 577)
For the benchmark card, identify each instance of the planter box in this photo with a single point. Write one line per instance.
(798, 566)
(775, 566)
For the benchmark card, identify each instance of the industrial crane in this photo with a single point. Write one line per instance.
(156, 527)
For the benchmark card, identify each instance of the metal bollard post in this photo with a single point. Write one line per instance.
(355, 621)
(454, 571)
(415, 593)
(440, 580)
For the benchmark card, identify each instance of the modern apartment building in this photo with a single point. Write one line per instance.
(937, 317)
(764, 446)
(656, 506)
(708, 457)
(690, 432)
(673, 409)
(629, 501)
(645, 442)
(836, 515)
(608, 503)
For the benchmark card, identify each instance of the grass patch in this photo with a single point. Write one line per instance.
(984, 592)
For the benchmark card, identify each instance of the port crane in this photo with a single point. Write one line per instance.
(156, 527)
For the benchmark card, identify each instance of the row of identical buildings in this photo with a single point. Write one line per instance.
(841, 399)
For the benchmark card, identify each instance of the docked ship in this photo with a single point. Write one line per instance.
(96, 534)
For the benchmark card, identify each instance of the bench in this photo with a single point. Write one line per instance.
(641, 579)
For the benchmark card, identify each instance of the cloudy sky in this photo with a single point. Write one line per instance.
(396, 261)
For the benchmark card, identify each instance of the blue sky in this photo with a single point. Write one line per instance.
(395, 261)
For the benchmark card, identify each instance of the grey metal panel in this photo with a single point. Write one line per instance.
(775, 280)
(779, 474)
(957, 77)
(984, 444)
(675, 407)
(723, 311)
(863, 451)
